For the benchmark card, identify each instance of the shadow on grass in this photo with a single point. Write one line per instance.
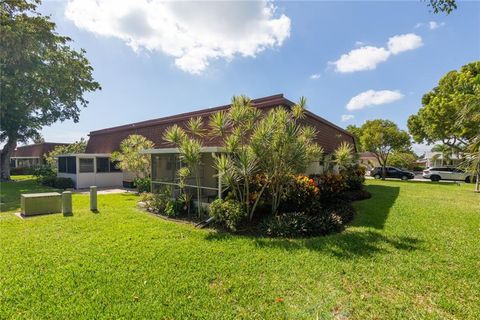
(351, 243)
(374, 211)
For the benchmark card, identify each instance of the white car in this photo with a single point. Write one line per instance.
(446, 173)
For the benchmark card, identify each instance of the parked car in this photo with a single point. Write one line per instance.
(392, 172)
(446, 173)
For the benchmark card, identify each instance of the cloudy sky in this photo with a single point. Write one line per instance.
(353, 61)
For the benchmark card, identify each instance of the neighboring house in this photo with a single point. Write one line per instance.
(165, 159)
(435, 159)
(368, 159)
(32, 155)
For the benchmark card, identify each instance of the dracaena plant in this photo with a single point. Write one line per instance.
(189, 145)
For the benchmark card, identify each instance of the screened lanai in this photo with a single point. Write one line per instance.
(167, 161)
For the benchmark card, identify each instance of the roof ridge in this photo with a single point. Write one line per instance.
(260, 102)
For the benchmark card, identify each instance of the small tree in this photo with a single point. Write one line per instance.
(76, 147)
(131, 159)
(382, 137)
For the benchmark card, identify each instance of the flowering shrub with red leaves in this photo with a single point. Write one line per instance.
(330, 184)
(303, 194)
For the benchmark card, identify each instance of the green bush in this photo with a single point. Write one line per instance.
(354, 176)
(21, 171)
(42, 172)
(300, 224)
(57, 182)
(63, 183)
(48, 181)
(228, 213)
(342, 209)
(143, 184)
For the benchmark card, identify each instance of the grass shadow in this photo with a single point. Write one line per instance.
(374, 212)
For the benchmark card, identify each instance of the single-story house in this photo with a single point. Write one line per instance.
(165, 158)
(368, 159)
(32, 155)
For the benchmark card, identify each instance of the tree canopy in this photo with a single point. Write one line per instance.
(42, 79)
(381, 137)
(439, 118)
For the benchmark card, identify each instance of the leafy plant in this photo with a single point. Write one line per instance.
(143, 184)
(42, 172)
(300, 224)
(130, 157)
(227, 212)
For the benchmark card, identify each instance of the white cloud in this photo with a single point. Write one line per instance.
(404, 42)
(359, 43)
(364, 58)
(347, 117)
(435, 25)
(368, 57)
(372, 97)
(194, 33)
(315, 76)
(432, 25)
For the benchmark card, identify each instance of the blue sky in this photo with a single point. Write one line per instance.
(144, 77)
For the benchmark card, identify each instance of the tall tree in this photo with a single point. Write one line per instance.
(42, 79)
(382, 137)
(439, 117)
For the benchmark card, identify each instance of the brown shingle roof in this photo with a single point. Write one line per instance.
(36, 150)
(108, 140)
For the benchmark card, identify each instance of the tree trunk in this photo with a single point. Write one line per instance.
(384, 172)
(5, 159)
(477, 183)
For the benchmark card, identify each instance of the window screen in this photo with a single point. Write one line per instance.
(67, 165)
(103, 165)
(86, 165)
(71, 165)
(62, 164)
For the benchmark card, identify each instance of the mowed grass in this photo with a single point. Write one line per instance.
(412, 252)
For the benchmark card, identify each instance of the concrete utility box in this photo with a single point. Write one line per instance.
(41, 203)
(67, 202)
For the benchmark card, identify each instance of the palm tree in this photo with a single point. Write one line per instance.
(445, 153)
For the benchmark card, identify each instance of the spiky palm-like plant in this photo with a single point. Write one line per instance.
(189, 148)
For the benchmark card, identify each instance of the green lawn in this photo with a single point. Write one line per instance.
(412, 252)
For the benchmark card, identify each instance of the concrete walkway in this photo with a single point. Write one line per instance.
(106, 190)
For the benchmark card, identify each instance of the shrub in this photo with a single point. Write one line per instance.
(355, 195)
(300, 224)
(21, 171)
(57, 182)
(41, 172)
(63, 183)
(343, 210)
(48, 181)
(330, 185)
(143, 184)
(354, 177)
(303, 194)
(228, 213)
